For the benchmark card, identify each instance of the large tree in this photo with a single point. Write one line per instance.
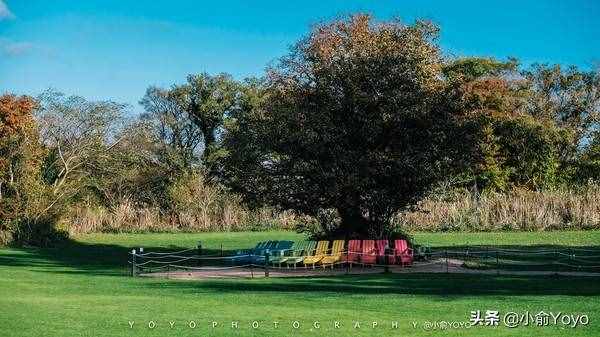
(77, 134)
(188, 118)
(527, 128)
(211, 100)
(352, 120)
(26, 203)
(569, 99)
(505, 145)
(20, 155)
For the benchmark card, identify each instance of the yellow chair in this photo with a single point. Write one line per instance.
(336, 254)
(319, 254)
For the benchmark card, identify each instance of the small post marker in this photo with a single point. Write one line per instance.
(386, 258)
(133, 262)
(267, 263)
(140, 259)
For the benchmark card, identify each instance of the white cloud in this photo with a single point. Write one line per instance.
(15, 48)
(5, 13)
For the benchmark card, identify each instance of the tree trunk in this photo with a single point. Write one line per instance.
(354, 224)
(209, 141)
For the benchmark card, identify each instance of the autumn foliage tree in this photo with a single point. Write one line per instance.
(17, 135)
(23, 202)
(525, 128)
(349, 121)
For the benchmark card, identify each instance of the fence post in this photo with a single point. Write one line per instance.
(556, 258)
(572, 259)
(141, 258)
(347, 261)
(497, 263)
(386, 258)
(199, 261)
(447, 266)
(571, 254)
(267, 263)
(133, 262)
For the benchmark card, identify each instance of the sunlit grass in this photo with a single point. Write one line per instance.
(82, 288)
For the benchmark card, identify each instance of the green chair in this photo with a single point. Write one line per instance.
(280, 255)
(302, 249)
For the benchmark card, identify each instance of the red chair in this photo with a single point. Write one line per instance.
(353, 254)
(403, 253)
(368, 252)
(381, 246)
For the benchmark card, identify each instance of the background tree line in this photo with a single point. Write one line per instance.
(348, 135)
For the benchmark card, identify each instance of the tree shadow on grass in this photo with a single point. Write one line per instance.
(97, 259)
(399, 284)
(90, 258)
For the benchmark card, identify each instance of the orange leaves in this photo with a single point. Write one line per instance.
(494, 96)
(486, 93)
(15, 114)
(15, 119)
(359, 35)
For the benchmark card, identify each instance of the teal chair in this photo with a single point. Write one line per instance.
(258, 256)
(252, 252)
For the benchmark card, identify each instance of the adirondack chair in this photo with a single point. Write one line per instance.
(381, 245)
(403, 253)
(275, 248)
(353, 254)
(337, 251)
(368, 253)
(281, 253)
(320, 253)
(257, 254)
(300, 253)
(281, 247)
(266, 246)
(251, 252)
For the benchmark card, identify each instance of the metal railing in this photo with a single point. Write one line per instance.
(463, 259)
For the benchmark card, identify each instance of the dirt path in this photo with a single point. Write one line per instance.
(454, 266)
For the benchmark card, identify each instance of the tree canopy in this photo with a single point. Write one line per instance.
(350, 121)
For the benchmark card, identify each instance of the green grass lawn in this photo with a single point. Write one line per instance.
(82, 289)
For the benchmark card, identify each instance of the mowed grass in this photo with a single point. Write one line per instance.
(82, 289)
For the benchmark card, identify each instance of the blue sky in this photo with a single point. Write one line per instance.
(115, 49)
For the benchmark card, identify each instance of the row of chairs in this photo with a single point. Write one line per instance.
(311, 253)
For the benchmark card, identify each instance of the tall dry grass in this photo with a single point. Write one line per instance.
(196, 206)
(517, 210)
(127, 218)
